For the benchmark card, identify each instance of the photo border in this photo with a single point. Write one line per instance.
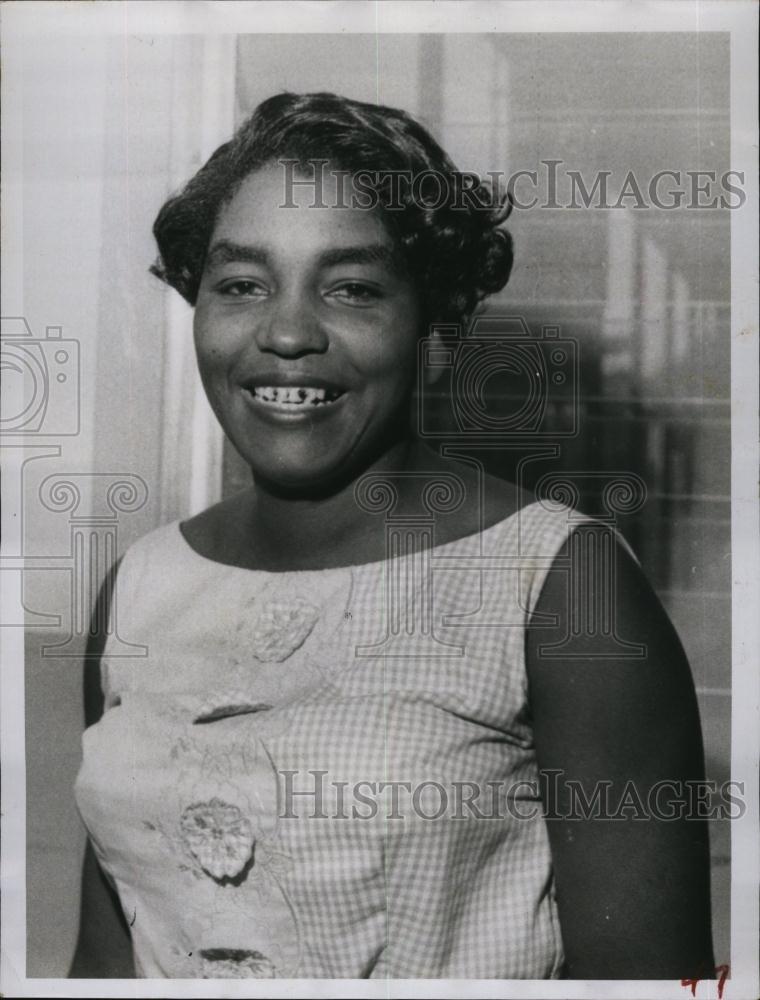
(20, 21)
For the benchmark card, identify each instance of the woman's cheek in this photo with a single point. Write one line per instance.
(209, 366)
(390, 346)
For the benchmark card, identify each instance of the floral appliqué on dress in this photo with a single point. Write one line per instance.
(281, 628)
(219, 837)
(232, 782)
(235, 963)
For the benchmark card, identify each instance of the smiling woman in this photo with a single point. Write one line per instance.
(307, 347)
(310, 661)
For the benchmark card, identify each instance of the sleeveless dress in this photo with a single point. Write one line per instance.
(327, 773)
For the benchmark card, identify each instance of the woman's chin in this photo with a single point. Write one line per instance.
(303, 481)
(320, 468)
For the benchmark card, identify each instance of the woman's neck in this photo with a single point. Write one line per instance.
(332, 528)
(262, 529)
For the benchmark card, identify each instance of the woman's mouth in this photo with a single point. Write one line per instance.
(295, 395)
(293, 399)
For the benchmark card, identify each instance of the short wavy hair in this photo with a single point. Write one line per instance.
(453, 247)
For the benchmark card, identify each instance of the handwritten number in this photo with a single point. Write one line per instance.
(720, 970)
(723, 970)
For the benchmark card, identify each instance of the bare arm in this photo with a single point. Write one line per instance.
(633, 894)
(104, 947)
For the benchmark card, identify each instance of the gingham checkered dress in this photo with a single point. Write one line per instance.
(327, 773)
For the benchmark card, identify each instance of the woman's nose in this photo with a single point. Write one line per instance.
(291, 329)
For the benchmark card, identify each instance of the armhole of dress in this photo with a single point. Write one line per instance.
(549, 535)
(121, 592)
(105, 681)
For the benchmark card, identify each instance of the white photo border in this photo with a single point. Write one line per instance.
(20, 22)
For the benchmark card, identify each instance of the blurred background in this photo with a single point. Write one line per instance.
(111, 126)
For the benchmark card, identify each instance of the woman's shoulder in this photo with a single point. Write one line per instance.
(481, 501)
(155, 551)
(216, 533)
(205, 534)
(503, 507)
(503, 499)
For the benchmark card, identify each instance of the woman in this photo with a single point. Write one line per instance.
(294, 782)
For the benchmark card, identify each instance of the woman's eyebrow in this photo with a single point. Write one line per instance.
(227, 252)
(370, 253)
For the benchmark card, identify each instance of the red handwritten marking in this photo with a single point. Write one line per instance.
(692, 983)
(723, 970)
(720, 970)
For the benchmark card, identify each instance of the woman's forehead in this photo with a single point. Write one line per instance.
(272, 206)
(317, 184)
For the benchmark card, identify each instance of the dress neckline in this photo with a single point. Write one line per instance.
(373, 564)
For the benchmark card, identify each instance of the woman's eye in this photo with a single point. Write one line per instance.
(357, 293)
(242, 288)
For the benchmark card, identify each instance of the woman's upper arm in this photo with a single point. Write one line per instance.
(104, 948)
(104, 945)
(632, 888)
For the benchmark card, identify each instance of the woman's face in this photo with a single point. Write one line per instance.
(306, 334)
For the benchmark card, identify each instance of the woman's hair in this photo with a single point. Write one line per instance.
(452, 246)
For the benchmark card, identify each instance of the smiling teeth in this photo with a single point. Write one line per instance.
(294, 395)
